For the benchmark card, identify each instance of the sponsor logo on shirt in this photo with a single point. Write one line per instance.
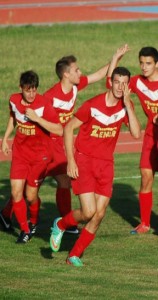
(100, 132)
(65, 117)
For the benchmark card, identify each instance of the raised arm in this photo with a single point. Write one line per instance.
(9, 130)
(120, 52)
(72, 169)
(98, 75)
(134, 125)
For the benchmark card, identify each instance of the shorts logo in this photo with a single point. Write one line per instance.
(38, 181)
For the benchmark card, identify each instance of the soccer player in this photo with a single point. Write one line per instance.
(145, 86)
(63, 96)
(91, 167)
(31, 151)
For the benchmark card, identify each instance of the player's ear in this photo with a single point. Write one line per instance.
(66, 74)
(157, 64)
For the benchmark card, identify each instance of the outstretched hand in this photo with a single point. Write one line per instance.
(121, 51)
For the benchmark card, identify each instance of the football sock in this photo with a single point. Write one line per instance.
(34, 211)
(67, 221)
(82, 243)
(20, 211)
(63, 201)
(8, 209)
(145, 200)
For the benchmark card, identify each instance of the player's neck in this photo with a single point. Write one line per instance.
(66, 86)
(25, 103)
(110, 99)
(154, 76)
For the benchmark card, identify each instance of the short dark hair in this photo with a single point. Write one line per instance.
(29, 79)
(149, 51)
(63, 64)
(122, 71)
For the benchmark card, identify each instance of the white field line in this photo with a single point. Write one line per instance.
(130, 177)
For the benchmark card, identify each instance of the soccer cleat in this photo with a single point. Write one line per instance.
(33, 228)
(23, 238)
(74, 261)
(73, 230)
(56, 236)
(140, 229)
(6, 223)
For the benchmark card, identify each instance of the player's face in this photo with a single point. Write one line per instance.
(148, 66)
(118, 85)
(74, 73)
(29, 94)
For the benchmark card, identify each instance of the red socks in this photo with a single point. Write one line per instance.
(34, 211)
(20, 211)
(82, 243)
(67, 221)
(8, 209)
(145, 200)
(63, 201)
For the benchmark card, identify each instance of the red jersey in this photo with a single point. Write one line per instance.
(147, 92)
(99, 132)
(64, 103)
(32, 141)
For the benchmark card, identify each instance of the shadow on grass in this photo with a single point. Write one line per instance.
(68, 241)
(125, 202)
(48, 212)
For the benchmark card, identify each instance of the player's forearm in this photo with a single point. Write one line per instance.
(49, 126)
(116, 57)
(113, 64)
(100, 74)
(134, 125)
(69, 142)
(9, 129)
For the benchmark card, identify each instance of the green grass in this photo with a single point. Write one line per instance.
(117, 265)
(39, 47)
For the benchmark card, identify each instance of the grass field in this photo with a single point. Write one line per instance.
(117, 265)
(39, 47)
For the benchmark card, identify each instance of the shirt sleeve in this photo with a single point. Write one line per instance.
(83, 83)
(108, 83)
(50, 114)
(83, 113)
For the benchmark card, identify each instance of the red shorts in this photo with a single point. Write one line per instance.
(95, 175)
(149, 156)
(59, 164)
(27, 167)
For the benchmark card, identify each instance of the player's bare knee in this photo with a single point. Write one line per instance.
(146, 182)
(88, 215)
(16, 194)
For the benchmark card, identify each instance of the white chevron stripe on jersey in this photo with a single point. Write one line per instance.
(67, 105)
(152, 95)
(106, 120)
(21, 117)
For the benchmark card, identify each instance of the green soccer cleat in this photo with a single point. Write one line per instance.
(74, 261)
(56, 236)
